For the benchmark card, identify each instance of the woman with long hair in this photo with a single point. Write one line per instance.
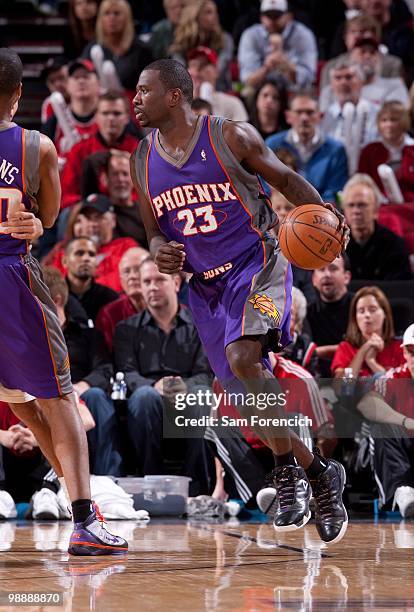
(115, 33)
(370, 345)
(268, 109)
(199, 25)
(82, 20)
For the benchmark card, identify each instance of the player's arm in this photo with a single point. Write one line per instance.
(169, 256)
(48, 196)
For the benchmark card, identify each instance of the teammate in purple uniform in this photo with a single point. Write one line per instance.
(204, 212)
(34, 363)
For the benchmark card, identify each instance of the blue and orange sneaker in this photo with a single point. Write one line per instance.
(91, 538)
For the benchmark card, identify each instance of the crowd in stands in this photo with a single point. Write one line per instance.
(330, 89)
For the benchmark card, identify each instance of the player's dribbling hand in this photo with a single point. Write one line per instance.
(170, 257)
(343, 228)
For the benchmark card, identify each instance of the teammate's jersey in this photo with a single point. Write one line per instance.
(206, 201)
(19, 178)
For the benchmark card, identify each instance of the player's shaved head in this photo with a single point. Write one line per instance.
(11, 72)
(173, 75)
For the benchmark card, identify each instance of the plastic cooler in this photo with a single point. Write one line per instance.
(159, 495)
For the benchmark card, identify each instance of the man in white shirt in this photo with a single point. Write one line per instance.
(202, 66)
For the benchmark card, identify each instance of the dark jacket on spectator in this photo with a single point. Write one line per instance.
(95, 298)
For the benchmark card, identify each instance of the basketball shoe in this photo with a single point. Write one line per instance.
(292, 498)
(330, 514)
(91, 538)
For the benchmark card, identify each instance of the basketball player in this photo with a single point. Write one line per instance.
(34, 361)
(205, 212)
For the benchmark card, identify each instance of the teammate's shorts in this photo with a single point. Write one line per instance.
(249, 296)
(34, 359)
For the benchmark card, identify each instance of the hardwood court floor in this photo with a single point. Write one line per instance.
(186, 567)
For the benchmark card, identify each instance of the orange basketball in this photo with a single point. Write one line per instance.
(309, 236)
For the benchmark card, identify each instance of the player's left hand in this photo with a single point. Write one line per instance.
(23, 225)
(343, 228)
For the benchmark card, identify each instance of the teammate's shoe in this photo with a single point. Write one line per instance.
(7, 506)
(330, 513)
(292, 498)
(91, 538)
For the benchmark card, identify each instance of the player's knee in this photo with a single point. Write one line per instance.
(242, 363)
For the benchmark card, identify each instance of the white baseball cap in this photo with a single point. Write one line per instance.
(273, 5)
(408, 338)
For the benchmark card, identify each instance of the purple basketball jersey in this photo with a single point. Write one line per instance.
(200, 201)
(12, 184)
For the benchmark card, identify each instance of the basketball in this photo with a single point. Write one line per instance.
(309, 236)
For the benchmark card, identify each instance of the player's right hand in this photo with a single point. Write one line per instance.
(170, 257)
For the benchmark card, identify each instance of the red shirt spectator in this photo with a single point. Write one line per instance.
(112, 118)
(390, 357)
(376, 153)
(397, 388)
(113, 313)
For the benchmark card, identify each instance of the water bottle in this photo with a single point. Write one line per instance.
(122, 386)
(348, 387)
(115, 389)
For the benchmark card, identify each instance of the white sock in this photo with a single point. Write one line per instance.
(64, 487)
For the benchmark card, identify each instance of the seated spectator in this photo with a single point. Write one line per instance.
(202, 66)
(112, 118)
(162, 33)
(80, 262)
(268, 108)
(376, 89)
(370, 345)
(320, 159)
(395, 148)
(96, 220)
(328, 314)
(363, 26)
(91, 370)
(55, 74)
(130, 302)
(115, 33)
(346, 81)
(301, 350)
(390, 411)
(199, 25)
(82, 21)
(244, 457)
(201, 107)
(299, 56)
(83, 92)
(161, 355)
(118, 180)
(375, 252)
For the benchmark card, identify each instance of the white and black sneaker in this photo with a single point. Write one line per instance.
(266, 501)
(45, 506)
(7, 506)
(330, 513)
(293, 493)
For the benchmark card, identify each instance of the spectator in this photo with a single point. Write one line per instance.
(375, 252)
(130, 302)
(199, 25)
(376, 89)
(82, 20)
(201, 107)
(363, 26)
(328, 314)
(162, 33)
(83, 91)
(256, 60)
(161, 354)
(115, 33)
(321, 160)
(370, 345)
(96, 220)
(390, 410)
(120, 191)
(112, 118)
(269, 106)
(91, 370)
(55, 74)
(395, 148)
(302, 349)
(80, 263)
(346, 81)
(202, 66)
